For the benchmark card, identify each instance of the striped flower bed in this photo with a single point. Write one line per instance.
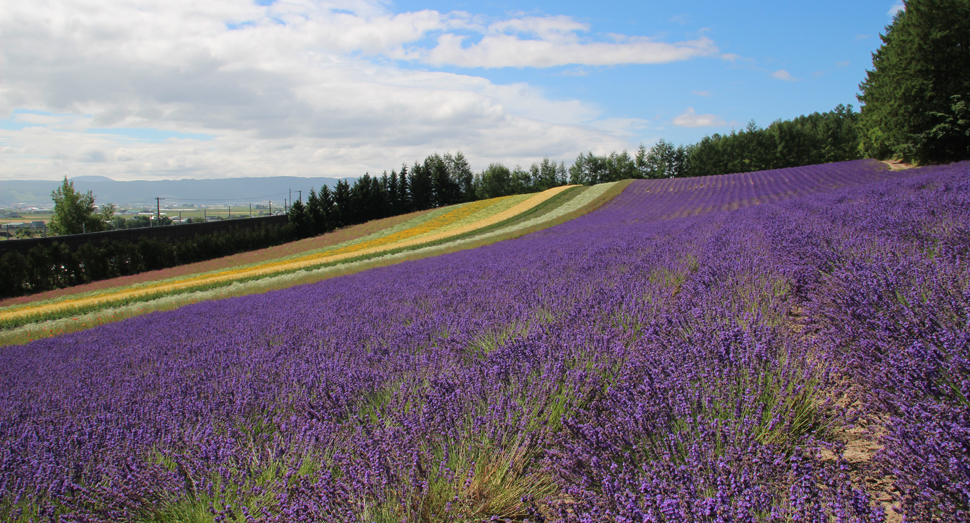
(461, 223)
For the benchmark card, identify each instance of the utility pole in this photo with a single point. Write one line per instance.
(271, 207)
(300, 192)
(230, 212)
(250, 210)
(158, 209)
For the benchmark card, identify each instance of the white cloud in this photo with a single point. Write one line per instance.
(502, 50)
(302, 87)
(691, 119)
(705, 94)
(554, 28)
(622, 126)
(782, 74)
(898, 6)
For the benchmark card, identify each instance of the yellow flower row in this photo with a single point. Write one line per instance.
(260, 269)
(457, 221)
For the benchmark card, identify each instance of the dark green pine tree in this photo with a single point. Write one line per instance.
(343, 213)
(361, 200)
(393, 203)
(403, 198)
(422, 187)
(383, 191)
(461, 174)
(318, 216)
(445, 191)
(327, 206)
(917, 92)
(301, 220)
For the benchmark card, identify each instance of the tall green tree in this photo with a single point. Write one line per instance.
(343, 213)
(422, 186)
(660, 162)
(496, 181)
(75, 213)
(461, 173)
(915, 97)
(301, 219)
(403, 198)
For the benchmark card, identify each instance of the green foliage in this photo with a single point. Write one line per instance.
(494, 182)
(301, 219)
(915, 95)
(56, 266)
(75, 213)
(663, 161)
(23, 233)
(806, 140)
(462, 175)
(15, 269)
(590, 169)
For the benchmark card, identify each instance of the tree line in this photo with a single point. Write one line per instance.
(448, 179)
(437, 181)
(805, 140)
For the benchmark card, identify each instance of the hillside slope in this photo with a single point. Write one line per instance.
(423, 234)
(747, 363)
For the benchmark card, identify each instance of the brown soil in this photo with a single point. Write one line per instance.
(227, 262)
(897, 165)
(861, 443)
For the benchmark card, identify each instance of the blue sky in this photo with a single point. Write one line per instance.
(342, 87)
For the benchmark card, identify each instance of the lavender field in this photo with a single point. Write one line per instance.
(789, 345)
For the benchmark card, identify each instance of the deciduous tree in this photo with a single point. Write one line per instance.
(75, 213)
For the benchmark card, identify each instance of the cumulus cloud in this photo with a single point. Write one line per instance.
(691, 119)
(298, 88)
(782, 74)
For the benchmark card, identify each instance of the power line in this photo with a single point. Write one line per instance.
(252, 198)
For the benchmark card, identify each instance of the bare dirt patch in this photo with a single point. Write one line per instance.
(897, 165)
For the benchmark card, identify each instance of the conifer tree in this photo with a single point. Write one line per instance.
(917, 92)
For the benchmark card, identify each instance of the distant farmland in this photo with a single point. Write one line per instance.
(789, 345)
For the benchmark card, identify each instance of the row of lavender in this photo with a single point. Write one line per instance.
(614, 368)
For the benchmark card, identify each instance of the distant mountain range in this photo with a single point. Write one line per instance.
(32, 193)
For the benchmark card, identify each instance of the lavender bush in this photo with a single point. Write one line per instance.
(681, 354)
